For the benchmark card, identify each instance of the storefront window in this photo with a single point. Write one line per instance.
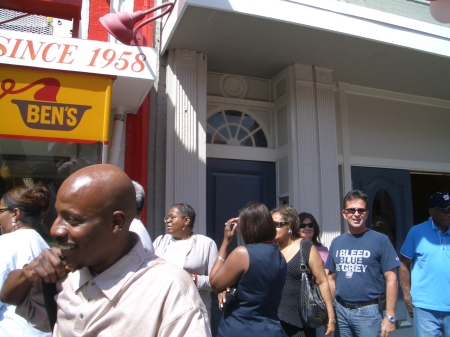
(29, 162)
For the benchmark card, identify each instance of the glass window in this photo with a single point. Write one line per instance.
(231, 127)
(29, 162)
(209, 134)
(216, 120)
(233, 116)
(219, 139)
(260, 138)
(250, 123)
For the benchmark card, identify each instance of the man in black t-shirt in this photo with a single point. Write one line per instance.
(362, 270)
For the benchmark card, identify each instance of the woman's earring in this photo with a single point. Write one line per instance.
(290, 231)
(13, 222)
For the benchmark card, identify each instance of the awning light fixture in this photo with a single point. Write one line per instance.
(121, 25)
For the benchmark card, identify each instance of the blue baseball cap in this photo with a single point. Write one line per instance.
(439, 200)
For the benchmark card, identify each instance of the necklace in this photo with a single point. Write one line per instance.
(290, 247)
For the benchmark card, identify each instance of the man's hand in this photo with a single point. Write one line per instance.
(48, 266)
(405, 282)
(409, 305)
(387, 327)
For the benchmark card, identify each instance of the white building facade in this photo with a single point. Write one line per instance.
(298, 102)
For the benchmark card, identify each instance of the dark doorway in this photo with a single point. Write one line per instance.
(231, 184)
(424, 185)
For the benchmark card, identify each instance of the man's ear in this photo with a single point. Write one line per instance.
(343, 214)
(118, 220)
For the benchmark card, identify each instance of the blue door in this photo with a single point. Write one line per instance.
(390, 199)
(231, 184)
(391, 212)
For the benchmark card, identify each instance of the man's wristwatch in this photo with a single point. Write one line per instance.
(390, 319)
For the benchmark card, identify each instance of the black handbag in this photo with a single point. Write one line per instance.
(231, 295)
(49, 292)
(311, 307)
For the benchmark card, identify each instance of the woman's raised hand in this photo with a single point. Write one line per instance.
(230, 230)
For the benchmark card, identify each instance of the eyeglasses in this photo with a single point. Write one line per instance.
(4, 210)
(443, 210)
(280, 224)
(309, 225)
(171, 218)
(354, 210)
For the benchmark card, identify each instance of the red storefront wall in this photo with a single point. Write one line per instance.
(136, 149)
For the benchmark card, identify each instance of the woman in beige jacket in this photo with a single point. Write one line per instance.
(194, 253)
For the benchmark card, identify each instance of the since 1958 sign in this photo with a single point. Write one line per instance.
(42, 51)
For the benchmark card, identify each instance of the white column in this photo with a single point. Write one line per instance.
(186, 133)
(330, 219)
(343, 108)
(305, 148)
(315, 175)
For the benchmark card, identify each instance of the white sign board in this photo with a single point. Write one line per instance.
(134, 66)
(87, 56)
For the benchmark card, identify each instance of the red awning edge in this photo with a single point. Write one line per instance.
(62, 9)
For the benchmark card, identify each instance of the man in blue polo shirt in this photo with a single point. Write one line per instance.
(424, 274)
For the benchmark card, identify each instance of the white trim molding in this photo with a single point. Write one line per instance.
(241, 152)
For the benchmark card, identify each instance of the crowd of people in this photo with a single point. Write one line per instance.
(107, 277)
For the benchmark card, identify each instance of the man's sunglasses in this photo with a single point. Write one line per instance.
(309, 225)
(280, 224)
(354, 210)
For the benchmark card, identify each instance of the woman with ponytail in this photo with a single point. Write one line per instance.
(21, 211)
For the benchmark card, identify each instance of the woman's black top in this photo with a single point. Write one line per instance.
(288, 309)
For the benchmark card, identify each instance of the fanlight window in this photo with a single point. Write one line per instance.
(230, 127)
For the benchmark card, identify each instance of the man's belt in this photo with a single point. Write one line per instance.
(356, 305)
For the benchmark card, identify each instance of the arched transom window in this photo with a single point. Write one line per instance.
(230, 127)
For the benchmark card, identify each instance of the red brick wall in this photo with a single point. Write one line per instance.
(147, 30)
(97, 8)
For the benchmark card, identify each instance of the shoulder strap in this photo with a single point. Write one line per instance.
(303, 266)
(302, 260)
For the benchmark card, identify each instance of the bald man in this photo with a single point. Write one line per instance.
(107, 283)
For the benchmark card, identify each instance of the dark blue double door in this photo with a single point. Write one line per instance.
(231, 184)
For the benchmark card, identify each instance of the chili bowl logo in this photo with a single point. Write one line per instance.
(50, 116)
(44, 112)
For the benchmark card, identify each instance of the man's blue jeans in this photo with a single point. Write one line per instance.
(431, 323)
(362, 322)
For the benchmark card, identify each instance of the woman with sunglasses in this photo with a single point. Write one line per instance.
(309, 230)
(288, 239)
(194, 253)
(21, 212)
